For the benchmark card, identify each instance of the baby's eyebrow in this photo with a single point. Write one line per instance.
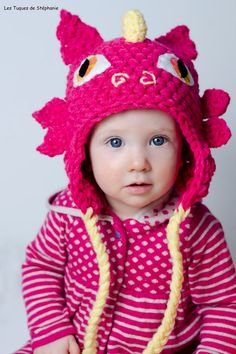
(152, 131)
(123, 132)
(113, 131)
(161, 131)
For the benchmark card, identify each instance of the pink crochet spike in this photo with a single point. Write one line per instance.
(178, 39)
(54, 116)
(76, 37)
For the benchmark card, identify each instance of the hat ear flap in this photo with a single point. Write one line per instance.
(179, 41)
(76, 37)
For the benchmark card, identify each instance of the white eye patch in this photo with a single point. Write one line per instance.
(91, 66)
(175, 66)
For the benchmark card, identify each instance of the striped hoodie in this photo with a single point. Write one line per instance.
(60, 281)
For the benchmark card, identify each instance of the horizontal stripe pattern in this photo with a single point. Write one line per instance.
(135, 322)
(42, 285)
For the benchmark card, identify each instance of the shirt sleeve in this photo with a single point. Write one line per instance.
(212, 281)
(43, 284)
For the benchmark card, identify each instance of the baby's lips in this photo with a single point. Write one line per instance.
(138, 184)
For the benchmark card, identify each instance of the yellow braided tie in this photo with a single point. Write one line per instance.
(159, 339)
(134, 27)
(90, 338)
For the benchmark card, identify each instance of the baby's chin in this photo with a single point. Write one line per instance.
(144, 200)
(130, 209)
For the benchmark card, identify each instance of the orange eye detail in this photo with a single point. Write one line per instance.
(89, 68)
(175, 66)
(180, 69)
(86, 67)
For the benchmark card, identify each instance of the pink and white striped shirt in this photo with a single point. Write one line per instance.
(60, 281)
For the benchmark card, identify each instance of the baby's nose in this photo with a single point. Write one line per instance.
(138, 161)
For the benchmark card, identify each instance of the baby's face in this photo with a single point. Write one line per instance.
(135, 157)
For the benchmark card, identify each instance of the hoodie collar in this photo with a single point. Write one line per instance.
(153, 214)
(156, 213)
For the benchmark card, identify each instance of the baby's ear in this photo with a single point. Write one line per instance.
(76, 37)
(179, 41)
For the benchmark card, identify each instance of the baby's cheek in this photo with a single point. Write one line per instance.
(174, 157)
(167, 169)
(105, 176)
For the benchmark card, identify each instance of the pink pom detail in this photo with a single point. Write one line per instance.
(54, 116)
(216, 132)
(178, 39)
(214, 102)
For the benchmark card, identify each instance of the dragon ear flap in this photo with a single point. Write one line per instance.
(76, 37)
(179, 41)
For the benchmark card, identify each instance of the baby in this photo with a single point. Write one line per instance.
(128, 259)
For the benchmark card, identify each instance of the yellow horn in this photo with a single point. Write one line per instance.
(134, 26)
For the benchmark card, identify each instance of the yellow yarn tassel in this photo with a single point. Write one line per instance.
(134, 26)
(90, 338)
(159, 339)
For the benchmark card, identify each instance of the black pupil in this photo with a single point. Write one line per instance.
(182, 68)
(83, 68)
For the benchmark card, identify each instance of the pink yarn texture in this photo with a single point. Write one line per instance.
(69, 121)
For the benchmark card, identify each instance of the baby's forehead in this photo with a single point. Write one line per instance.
(145, 119)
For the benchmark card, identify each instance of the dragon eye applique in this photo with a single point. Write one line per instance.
(176, 67)
(90, 67)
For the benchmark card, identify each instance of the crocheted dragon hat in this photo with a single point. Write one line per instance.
(132, 72)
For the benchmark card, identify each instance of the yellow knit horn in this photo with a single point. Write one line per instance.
(134, 26)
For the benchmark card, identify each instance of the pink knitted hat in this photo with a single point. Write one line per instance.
(129, 73)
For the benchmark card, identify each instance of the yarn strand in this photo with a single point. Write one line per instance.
(159, 339)
(90, 338)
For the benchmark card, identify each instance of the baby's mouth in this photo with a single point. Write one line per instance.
(139, 184)
(138, 188)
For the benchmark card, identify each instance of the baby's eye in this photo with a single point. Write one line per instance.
(158, 140)
(175, 66)
(115, 142)
(90, 67)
